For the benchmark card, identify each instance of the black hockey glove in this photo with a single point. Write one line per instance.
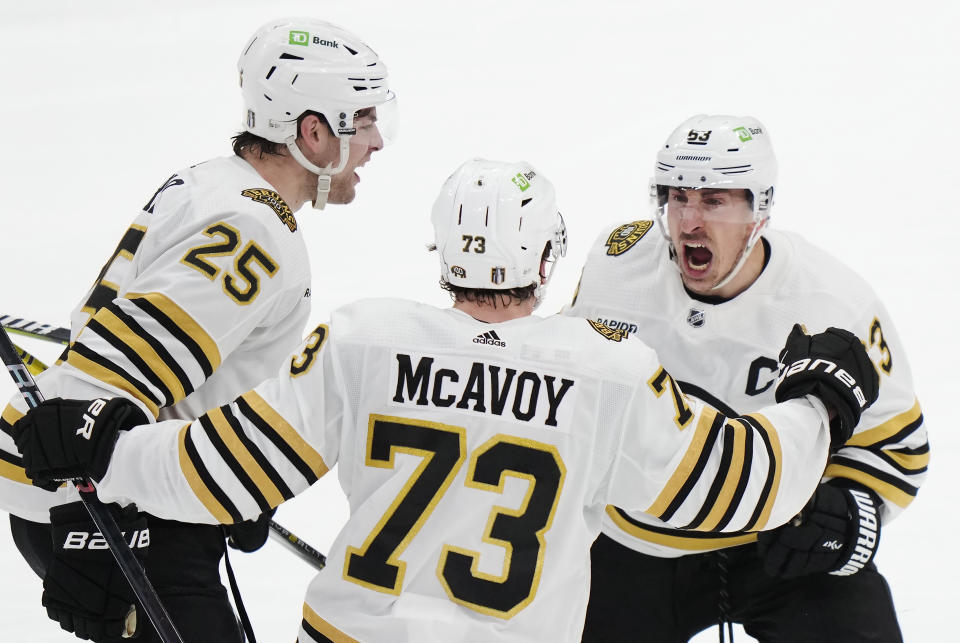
(66, 439)
(833, 366)
(837, 532)
(250, 535)
(84, 589)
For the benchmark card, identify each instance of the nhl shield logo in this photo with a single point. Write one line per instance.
(695, 318)
(498, 275)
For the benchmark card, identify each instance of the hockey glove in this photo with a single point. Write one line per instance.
(833, 366)
(84, 589)
(250, 535)
(66, 439)
(837, 532)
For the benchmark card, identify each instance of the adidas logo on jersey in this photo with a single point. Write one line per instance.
(490, 338)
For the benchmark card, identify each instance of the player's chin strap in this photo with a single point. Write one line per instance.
(744, 254)
(323, 173)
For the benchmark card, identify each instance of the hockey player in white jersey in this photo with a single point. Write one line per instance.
(477, 445)
(713, 290)
(207, 292)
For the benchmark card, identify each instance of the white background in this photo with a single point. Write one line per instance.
(100, 101)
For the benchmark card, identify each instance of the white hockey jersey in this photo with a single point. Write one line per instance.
(206, 293)
(725, 352)
(477, 459)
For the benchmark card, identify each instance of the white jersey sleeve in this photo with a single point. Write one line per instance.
(206, 292)
(725, 353)
(477, 460)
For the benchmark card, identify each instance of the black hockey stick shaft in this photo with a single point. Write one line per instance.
(297, 546)
(59, 335)
(30, 328)
(129, 565)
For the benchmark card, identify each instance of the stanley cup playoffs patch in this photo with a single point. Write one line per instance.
(271, 198)
(624, 237)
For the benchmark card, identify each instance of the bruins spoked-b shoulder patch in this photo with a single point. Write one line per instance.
(613, 334)
(271, 198)
(624, 237)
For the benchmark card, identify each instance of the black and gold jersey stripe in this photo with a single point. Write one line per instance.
(116, 348)
(771, 442)
(891, 487)
(670, 537)
(206, 489)
(694, 461)
(238, 460)
(726, 492)
(92, 363)
(246, 445)
(883, 460)
(11, 468)
(287, 440)
(320, 630)
(182, 327)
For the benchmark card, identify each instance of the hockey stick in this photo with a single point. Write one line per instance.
(30, 328)
(279, 533)
(33, 365)
(129, 565)
(61, 335)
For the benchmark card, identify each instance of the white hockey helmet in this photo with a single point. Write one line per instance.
(494, 222)
(718, 152)
(294, 65)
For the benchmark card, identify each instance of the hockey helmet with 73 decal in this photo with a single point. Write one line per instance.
(295, 65)
(495, 224)
(718, 153)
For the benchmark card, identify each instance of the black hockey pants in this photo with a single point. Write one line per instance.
(640, 598)
(184, 566)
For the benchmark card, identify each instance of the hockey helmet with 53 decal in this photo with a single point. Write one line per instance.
(497, 227)
(295, 65)
(719, 153)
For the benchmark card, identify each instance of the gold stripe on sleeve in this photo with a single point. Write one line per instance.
(683, 470)
(250, 466)
(107, 376)
(913, 462)
(325, 628)
(889, 428)
(13, 472)
(199, 489)
(185, 322)
(678, 540)
(885, 489)
(116, 326)
(11, 415)
(777, 464)
(732, 480)
(289, 435)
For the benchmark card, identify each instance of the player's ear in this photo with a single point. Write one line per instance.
(315, 132)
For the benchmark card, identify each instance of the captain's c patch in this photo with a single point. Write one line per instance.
(624, 237)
